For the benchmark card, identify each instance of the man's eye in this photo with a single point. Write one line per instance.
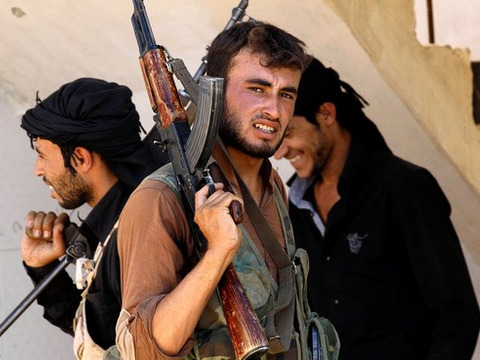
(256, 89)
(287, 96)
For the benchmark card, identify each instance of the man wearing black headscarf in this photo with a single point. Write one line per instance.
(87, 136)
(387, 268)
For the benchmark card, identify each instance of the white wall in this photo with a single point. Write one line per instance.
(57, 41)
(455, 23)
(20, 191)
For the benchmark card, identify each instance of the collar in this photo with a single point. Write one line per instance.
(351, 179)
(103, 216)
(298, 189)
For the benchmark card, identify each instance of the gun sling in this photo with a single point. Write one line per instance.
(279, 322)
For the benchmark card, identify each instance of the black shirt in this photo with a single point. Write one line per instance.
(61, 298)
(389, 272)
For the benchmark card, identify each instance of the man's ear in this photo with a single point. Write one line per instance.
(82, 159)
(326, 114)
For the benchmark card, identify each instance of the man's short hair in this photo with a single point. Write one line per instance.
(278, 47)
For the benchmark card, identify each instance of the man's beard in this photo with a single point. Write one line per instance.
(230, 133)
(322, 152)
(72, 191)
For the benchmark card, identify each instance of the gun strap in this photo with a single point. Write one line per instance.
(263, 229)
(86, 269)
(279, 323)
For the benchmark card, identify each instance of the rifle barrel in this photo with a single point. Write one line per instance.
(30, 298)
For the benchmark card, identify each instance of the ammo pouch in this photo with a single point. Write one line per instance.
(317, 336)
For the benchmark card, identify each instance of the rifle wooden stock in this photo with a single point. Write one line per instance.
(247, 335)
(161, 88)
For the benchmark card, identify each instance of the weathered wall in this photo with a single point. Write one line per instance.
(47, 43)
(435, 82)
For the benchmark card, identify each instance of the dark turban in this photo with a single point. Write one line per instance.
(319, 85)
(98, 116)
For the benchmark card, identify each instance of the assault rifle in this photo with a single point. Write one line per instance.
(189, 152)
(190, 93)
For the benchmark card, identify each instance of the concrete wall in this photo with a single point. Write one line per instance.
(46, 43)
(434, 82)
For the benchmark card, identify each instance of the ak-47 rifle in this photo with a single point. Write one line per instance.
(189, 152)
(191, 93)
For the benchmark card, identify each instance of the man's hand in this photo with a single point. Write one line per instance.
(176, 315)
(212, 215)
(43, 241)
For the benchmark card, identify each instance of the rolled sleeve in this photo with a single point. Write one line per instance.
(153, 243)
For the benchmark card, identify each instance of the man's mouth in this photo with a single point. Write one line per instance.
(294, 159)
(264, 128)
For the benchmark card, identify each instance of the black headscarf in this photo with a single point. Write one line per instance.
(319, 85)
(100, 117)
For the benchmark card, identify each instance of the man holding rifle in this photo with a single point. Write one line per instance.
(89, 150)
(169, 305)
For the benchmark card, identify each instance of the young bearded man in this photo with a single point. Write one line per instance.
(170, 307)
(87, 137)
(387, 268)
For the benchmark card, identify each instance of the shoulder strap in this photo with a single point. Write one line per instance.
(279, 322)
(263, 229)
(86, 269)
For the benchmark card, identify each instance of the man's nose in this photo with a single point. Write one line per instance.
(272, 107)
(37, 169)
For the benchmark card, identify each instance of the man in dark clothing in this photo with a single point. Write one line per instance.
(87, 136)
(386, 265)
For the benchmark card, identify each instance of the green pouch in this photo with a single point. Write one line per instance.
(112, 353)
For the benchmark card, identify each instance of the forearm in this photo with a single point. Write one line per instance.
(178, 313)
(164, 288)
(152, 264)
